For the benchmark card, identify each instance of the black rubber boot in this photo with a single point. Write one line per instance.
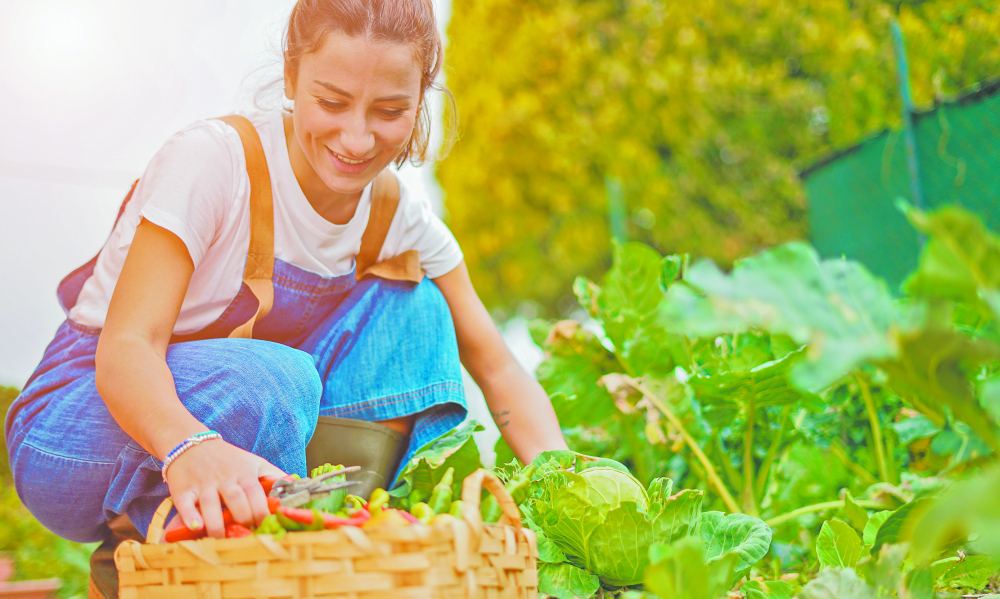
(375, 447)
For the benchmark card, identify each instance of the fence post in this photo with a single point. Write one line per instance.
(909, 139)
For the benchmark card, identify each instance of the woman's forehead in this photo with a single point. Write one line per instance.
(360, 65)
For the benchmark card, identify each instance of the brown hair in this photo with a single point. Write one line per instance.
(398, 21)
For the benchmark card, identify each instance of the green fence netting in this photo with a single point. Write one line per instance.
(852, 195)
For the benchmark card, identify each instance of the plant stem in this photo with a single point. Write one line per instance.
(638, 458)
(883, 470)
(839, 453)
(749, 502)
(772, 453)
(819, 507)
(732, 476)
(710, 472)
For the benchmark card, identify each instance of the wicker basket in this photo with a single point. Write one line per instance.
(461, 560)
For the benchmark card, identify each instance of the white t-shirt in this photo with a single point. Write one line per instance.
(197, 188)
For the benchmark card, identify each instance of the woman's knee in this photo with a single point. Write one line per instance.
(247, 387)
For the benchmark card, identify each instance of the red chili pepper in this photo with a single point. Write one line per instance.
(303, 516)
(183, 533)
(237, 530)
(268, 482)
(273, 503)
(408, 517)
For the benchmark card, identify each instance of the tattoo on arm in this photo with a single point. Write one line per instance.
(501, 418)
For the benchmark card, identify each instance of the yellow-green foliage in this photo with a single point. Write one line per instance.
(36, 552)
(703, 110)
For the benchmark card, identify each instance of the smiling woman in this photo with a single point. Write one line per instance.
(265, 271)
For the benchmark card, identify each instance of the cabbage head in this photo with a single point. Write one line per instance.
(605, 521)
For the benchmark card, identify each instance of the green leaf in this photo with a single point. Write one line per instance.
(455, 449)
(837, 545)
(681, 571)
(772, 589)
(856, 514)
(673, 516)
(968, 573)
(918, 583)
(874, 524)
(968, 506)
(837, 584)
(575, 360)
(566, 581)
(629, 311)
(836, 307)
(892, 530)
(960, 261)
(745, 536)
(765, 386)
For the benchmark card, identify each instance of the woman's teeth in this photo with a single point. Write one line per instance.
(346, 159)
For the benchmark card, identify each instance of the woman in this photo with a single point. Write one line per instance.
(148, 388)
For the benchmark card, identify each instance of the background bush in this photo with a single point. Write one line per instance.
(701, 111)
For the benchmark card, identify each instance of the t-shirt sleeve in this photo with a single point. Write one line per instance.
(189, 184)
(416, 227)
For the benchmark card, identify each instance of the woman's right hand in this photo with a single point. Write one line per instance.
(214, 473)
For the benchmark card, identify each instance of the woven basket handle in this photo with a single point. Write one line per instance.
(154, 534)
(472, 492)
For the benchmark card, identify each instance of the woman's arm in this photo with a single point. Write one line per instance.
(135, 382)
(519, 405)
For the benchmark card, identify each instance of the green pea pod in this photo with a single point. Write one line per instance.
(442, 494)
(456, 508)
(422, 512)
(378, 500)
(271, 526)
(490, 510)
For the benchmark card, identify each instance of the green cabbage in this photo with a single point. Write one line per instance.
(605, 521)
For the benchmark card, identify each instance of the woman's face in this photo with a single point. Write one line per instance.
(355, 107)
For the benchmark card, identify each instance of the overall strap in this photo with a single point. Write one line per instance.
(260, 257)
(405, 266)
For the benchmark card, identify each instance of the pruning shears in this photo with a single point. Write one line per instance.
(298, 492)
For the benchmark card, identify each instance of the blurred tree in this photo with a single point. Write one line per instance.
(701, 112)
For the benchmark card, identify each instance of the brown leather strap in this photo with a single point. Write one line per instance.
(405, 266)
(260, 257)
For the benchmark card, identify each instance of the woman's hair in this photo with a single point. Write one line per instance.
(398, 21)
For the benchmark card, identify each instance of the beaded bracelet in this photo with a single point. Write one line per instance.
(184, 446)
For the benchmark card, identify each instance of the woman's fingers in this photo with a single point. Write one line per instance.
(258, 501)
(235, 497)
(188, 510)
(211, 511)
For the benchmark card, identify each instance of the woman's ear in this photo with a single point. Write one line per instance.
(289, 85)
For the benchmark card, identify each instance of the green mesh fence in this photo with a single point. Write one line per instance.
(852, 194)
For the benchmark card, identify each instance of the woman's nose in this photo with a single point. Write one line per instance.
(357, 137)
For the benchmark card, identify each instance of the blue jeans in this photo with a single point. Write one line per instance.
(373, 350)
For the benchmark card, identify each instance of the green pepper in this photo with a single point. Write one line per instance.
(423, 512)
(353, 502)
(456, 508)
(418, 496)
(490, 509)
(441, 495)
(378, 500)
(520, 484)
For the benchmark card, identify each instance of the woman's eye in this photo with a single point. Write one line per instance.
(330, 105)
(391, 113)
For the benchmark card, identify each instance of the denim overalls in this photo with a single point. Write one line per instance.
(373, 349)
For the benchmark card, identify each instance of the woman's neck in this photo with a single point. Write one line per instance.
(335, 207)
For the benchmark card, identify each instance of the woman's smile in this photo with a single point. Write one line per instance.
(347, 165)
